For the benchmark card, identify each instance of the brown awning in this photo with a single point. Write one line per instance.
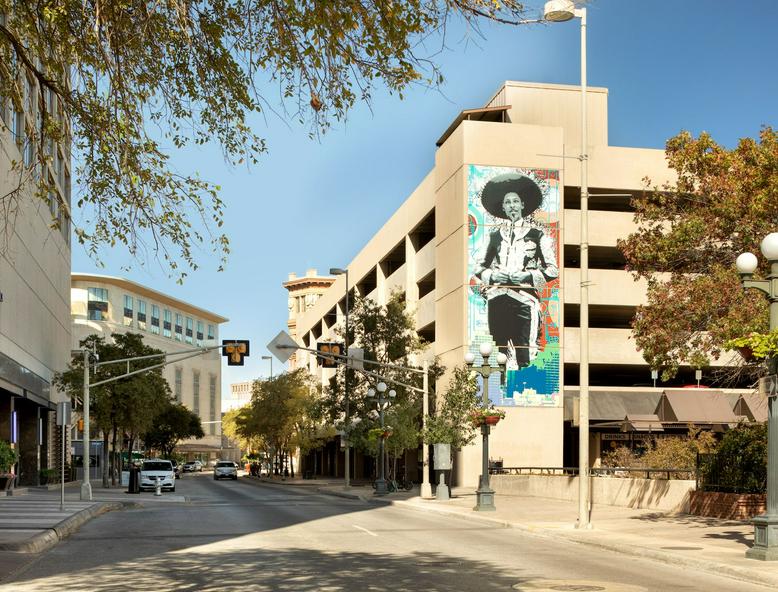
(613, 406)
(642, 423)
(496, 114)
(752, 406)
(696, 406)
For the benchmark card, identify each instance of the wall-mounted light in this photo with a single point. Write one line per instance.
(14, 428)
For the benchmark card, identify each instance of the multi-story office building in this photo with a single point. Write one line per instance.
(474, 270)
(34, 277)
(104, 305)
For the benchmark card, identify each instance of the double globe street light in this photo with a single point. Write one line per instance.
(766, 526)
(383, 399)
(484, 493)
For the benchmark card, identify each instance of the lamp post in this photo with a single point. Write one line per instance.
(347, 463)
(766, 526)
(271, 364)
(484, 493)
(558, 11)
(383, 401)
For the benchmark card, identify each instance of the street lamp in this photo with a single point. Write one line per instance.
(347, 464)
(558, 11)
(766, 526)
(484, 493)
(383, 401)
(271, 364)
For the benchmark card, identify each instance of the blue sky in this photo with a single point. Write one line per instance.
(668, 64)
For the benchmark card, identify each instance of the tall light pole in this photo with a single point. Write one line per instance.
(86, 486)
(558, 11)
(766, 526)
(484, 493)
(271, 364)
(347, 464)
(383, 401)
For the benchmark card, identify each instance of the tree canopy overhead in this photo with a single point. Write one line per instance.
(130, 79)
(689, 235)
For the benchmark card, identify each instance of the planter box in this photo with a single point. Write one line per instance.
(731, 506)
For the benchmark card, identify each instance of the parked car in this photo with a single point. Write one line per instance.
(225, 469)
(154, 469)
(193, 466)
(176, 468)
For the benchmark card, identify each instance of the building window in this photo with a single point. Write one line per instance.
(155, 319)
(167, 323)
(188, 330)
(212, 392)
(97, 304)
(179, 380)
(211, 334)
(179, 327)
(142, 315)
(127, 311)
(196, 392)
(199, 335)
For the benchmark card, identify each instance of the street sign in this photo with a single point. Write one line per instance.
(282, 346)
(442, 457)
(768, 386)
(63, 413)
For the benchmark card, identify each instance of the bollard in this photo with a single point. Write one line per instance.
(158, 490)
(441, 492)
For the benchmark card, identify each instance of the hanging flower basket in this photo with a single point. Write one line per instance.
(488, 417)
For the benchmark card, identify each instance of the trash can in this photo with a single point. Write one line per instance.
(134, 486)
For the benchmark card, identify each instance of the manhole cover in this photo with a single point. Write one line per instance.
(682, 548)
(575, 586)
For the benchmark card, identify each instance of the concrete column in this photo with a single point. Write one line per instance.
(411, 288)
(29, 449)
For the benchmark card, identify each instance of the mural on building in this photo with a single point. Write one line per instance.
(513, 269)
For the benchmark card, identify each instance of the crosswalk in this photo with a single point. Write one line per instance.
(21, 513)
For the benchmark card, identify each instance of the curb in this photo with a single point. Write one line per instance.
(50, 537)
(709, 567)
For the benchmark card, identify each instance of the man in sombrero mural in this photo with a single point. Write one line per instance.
(518, 261)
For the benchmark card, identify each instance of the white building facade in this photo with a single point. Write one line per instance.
(104, 305)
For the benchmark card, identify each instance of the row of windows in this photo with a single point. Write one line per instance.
(178, 392)
(135, 314)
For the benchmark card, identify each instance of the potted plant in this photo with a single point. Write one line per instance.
(486, 416)
(8, 458)
(375, 433)
(757, 346)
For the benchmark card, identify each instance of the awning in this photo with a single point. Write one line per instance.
(695, 406)
(752, 406)
(641, 423)
(613, 406)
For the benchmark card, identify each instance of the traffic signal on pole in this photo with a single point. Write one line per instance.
(326, 352)
(235, 350)
(81, 424)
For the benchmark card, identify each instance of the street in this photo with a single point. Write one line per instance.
(247, 536)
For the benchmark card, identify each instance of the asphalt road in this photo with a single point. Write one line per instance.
(245, 536)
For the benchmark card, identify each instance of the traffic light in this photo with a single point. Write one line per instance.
(235, 350)
(326, 351)
(81, 424)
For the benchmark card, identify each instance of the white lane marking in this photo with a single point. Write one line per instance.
(365, 530)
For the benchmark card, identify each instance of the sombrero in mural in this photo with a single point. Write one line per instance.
(495, 190)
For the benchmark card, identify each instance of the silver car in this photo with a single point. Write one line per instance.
(225, 469)
(157, 469)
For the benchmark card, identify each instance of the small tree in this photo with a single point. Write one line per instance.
(173, 424)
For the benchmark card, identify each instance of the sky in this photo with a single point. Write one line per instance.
(669, 65)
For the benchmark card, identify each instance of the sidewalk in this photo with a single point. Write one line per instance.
(33, 522)
(707, 544)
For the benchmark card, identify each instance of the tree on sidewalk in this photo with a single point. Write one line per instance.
(174, 423)
(129, 78)
(689, 235)
(124, 407)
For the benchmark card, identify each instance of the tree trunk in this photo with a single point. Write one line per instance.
(131, 443)
(291, 465)
(105, 460)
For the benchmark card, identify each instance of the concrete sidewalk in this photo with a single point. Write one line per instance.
(707, 544)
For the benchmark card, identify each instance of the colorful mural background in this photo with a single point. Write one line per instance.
(537, 383)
